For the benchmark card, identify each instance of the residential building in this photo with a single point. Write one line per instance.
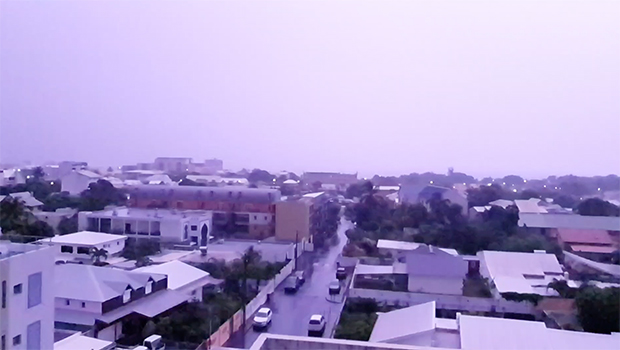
(590, 269)
(80, 341)
(159, 179)
(79, 245)
(432, 270)
(523, 273)
(12, 177)
(209, 166)
(102, 299)
(418, 327)
(26, 198)
(216, 180)
(397, 248)
(413, 194)
(53, 218)
(592, 244)
(183, 278)
(172, 164)
(27, 296)
(167, 225)
(78, 180)
(246, 211)
(297, 217)
(542, 223)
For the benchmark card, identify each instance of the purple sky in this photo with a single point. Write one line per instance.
(487, 87)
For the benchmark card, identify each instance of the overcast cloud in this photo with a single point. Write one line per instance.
(487, 87)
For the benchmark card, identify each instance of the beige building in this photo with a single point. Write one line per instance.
(292, 218)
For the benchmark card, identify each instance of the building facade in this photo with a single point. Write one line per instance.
(236, 210)
(27, 292)
(172, 164)
(78, 180)
(299, 217)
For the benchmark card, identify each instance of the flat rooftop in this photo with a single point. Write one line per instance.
(8, 249)
(86, 238)
(142, 213)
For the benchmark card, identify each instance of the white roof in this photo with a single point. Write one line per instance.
(80, 341)
(511, 271)
(529, 206)
(264, 309)
(27, 198)
(86, 238)
(489, 333)
(312, 195)
(504, 203)
(403, 322)
(362, 269)
(387, 188)
(401, 245)
(88, 173)
(316, 317)
(179, 273)
(290, 182)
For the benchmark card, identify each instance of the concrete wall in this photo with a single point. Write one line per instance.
(435, 285)
(292, 217)
(15, 318)
(111, 333)
(448, 302)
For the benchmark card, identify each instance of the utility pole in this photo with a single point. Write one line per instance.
(296, 242)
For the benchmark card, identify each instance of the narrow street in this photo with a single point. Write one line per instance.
(291, 313)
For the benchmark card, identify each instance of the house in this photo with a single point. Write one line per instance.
(592, 244)
(413, 194)
(102, 299)
(172, 164)
(298, 217)
(159, 179)
(432, 270)
(247, 211)
(590, 268)
(504, 203)
(183, 278)
(542, 223)
(80, 244)
(11, 177)
(167, 225)
(26, 198)
(523, 273)
(396, 248)
(418, 327)
(78, 180)
(80, 341)
(26, 306)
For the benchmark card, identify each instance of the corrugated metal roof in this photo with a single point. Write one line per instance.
(609, 223)
(429, 261)
(571, 235)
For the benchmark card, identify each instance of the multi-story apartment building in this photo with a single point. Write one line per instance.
(235, 209)
(167, 225)
(298, 217)
(27, 292)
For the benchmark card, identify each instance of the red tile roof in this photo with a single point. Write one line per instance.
(599, 237)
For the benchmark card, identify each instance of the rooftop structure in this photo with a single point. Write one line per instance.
(329, 178)
(200, 193)
(533, 220)
(80, 341)
(526, 273)
(407, 246)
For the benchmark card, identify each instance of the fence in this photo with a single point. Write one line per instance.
(221, 336)
(447, 302)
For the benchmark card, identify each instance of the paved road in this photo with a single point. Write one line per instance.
(292, 312)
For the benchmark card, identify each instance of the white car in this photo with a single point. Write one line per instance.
(262, 319)
(316, 326)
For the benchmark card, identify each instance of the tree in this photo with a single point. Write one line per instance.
(259, 175)
(598, 309)
(483, 195)
(38, 174)
(97, 254)
(100, 194)
(597, 207)
(12, 215)
(143, 261)
(68, 225)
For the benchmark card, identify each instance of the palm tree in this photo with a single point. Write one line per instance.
(97, 254)
(38, 173)
(12, 214)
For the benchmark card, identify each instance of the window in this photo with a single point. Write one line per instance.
(126, 296)
(83, 250)
(34, 289)
(149, 287)
(83, 305)
(3, 294)
(254, 217)
(194, 227)
(66, 249)
(33, 336)
(17, 289)
(185, 232)
(118, 243)
(67, 302)
(17, 339)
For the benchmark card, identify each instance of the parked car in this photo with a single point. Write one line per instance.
(316, 326)
(154, 342)
(262, 319)
(301, 275)
(334, 287)
(341, 273)
(291, 284)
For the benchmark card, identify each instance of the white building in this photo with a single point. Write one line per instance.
(432, 270)
(78, 180)
(166, 225)
(524, 273)
(417, 326)
(102, 298)
(53, 218)
(80, 341)
(79, 245)
(27, 303)
(182, 278)
(10, 177)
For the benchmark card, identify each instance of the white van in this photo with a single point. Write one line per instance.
(154, 342)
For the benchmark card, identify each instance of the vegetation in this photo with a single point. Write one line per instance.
(20, 224)
(327, 225)
(597, 207)
(136, 249)
(68, 225)
(357, 319)
(97, 254)
(599, 309)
